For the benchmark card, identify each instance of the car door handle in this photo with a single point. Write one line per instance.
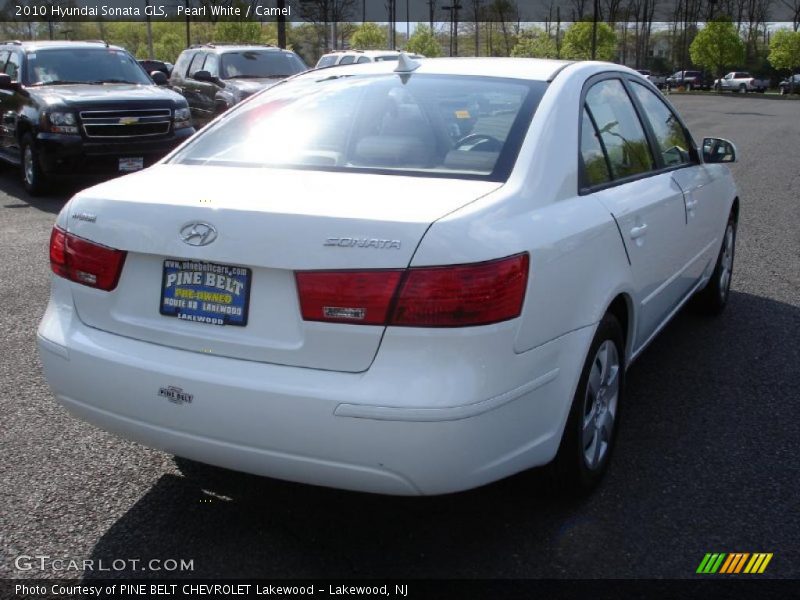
(638, 231)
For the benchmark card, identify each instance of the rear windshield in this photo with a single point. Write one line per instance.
(83, 65)
(434, 125)
(255, 63)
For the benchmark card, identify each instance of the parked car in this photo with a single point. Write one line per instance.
(659, 81)
(412, 278)
(689, 80)
(349, 57)
(789, 85)
(214, 77)
(740, 81)
(151, 65)
(77, 109)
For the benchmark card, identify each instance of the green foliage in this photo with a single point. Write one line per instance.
(369, 36)
(244, 32)
(717, 46)
(784, 49)
(578, 42)
(422, 41)
(535, 43)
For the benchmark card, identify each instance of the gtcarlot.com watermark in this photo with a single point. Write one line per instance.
(45, 563)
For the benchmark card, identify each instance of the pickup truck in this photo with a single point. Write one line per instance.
(689, 80)
(660, 81)
(740, 81)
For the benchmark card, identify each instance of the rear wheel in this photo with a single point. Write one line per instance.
(33, 179)
(784, 91)
(689, 87)
(742, 88)
(590, 433)
(713, 298)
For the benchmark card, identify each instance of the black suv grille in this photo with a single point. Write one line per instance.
(126, 123)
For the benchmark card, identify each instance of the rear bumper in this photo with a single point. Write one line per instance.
(410, 425)
(73, 156)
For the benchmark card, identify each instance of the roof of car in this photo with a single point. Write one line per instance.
(32, 45)
(537, 69)
(223, 47)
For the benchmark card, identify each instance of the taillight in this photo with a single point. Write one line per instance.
(85, 262)
(362, 297)
(450, 296)
(460, 295)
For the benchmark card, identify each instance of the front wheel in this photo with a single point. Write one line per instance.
(688, 87)
(590, 433)
(713, 298)
(34, 180)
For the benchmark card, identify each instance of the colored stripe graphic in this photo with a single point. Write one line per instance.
(733, 563)
(711, 563)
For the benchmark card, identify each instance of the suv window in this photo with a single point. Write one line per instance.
(672, 141)
(347, 59)
(49, 66)
(260, 64)
(197, 63)
(12, 66)
(620, 129)
(182, 64)
(212, 65)
(363, 59)
(594, 165)
(326, 61)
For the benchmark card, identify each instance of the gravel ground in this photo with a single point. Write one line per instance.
(707, 455)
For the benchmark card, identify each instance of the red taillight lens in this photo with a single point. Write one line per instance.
(452, 296)
(462, 295)
(85, 262)
(361, 297)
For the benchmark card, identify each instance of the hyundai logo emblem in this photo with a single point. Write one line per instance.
(198, 233)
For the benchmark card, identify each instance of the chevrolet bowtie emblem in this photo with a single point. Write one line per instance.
(128, 120)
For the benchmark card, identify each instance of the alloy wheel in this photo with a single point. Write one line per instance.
(600, 405)
(28, 165)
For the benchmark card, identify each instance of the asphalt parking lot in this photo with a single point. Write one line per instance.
(707, 459)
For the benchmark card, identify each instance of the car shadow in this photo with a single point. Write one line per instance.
(51, 202)
(685, 395)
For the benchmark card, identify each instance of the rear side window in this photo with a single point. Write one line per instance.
(326, 61)
(672, 141)
(595, 167)
(197, 63)
(620, 129)
(346, 60)
(363, 59)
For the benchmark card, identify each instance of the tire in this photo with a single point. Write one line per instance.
(591, 430)
(784, 91)
(34, 180)
(713, 298)
(689, 87)
(742, 89)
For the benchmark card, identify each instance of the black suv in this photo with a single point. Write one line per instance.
(82, 109)
(214, 77)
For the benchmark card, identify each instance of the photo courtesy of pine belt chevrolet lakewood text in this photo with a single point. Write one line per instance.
(410, 277)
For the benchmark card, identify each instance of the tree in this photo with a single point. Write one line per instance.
(717, 46)
(241, 32)
(422, 41)
(369, 36)
(578, 42)
(784, 51)
(535, 43)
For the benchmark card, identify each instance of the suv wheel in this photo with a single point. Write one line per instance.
(33, 179)
(689, 86)
(590, 433)
(742, 88)
(784, 91)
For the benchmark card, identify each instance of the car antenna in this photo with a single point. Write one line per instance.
(406, 64)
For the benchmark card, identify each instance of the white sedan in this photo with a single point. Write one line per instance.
(406, 278)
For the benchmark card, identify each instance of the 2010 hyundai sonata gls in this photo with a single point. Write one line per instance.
(406, 278)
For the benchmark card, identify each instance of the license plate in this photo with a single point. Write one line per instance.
(205, 292)
(131, 164)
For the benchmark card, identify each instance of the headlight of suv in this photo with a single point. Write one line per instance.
(183, 118)
(61, 122)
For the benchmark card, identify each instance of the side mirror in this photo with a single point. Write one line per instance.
(718, 150)
(159, 78)
(204, 76)
(6, 82)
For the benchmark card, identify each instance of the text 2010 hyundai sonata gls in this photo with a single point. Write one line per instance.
(407, 278)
